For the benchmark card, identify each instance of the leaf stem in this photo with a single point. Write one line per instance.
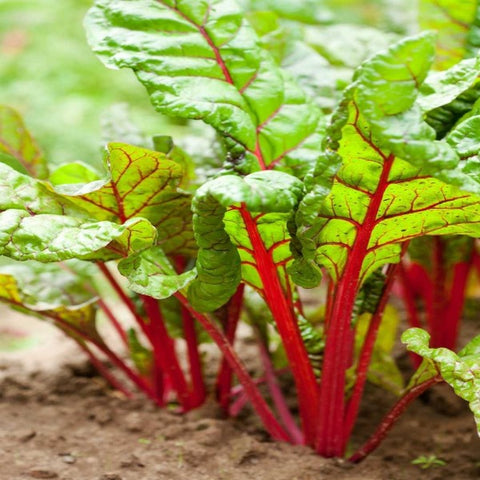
(277, 396)
(263, 410)
(113, 319)
(390, 419)
(136, 379)
(198, 385)
(353, 405)
(453, 316)
(124, 297)
(225, 374)
(437, 320)
(199, 391)
(339, 333)
(164, 353)
(287, 326)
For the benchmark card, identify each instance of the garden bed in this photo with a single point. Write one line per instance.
(64, 422)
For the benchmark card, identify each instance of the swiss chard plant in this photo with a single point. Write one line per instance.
(300, 190)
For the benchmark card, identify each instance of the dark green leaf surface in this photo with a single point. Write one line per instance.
(461, 371)
(226, 246)
(203, 61)
(16, 141)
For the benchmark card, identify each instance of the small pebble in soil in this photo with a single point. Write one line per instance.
(132, 462)
(42, 474)
(101, 415)
(110, 476)
(67, 458)
(134, 422)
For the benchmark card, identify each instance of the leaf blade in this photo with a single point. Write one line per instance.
(219, 75)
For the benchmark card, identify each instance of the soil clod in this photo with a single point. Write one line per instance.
(42, 474)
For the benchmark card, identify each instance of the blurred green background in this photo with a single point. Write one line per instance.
(49, 74)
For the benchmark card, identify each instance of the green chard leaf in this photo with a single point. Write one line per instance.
(37, 223)
(347, 45)
(442, 88)
(142, 183)
(383, 195)
(75, 172)
(77, 320)
(202, 60)
(53, 284)
(149, 272)
(461, 371)
(235, 221)
(17, 143)
(465, 139)
(457, 24)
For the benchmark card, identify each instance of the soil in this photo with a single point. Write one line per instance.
(60, 421)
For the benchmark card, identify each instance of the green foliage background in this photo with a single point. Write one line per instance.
(49, 74)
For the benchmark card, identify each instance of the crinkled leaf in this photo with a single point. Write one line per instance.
(16, 141)
(142, 183)
(53, 284)
(226, 246)
(150, 273)
(444, 118)
(76, 320)
(461, 371)
(378, 200)
(441, 88)
(465, 139)
(347, 45)
(202, 60)
(22, 192)
(49, 238)
(385, 94)
(456, 24)
(37, 223)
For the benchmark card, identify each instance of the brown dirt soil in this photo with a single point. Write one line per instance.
(65, 423)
